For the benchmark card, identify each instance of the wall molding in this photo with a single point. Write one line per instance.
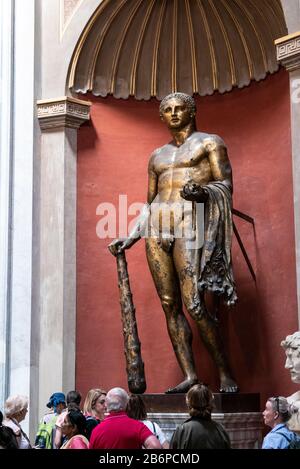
(288, 51)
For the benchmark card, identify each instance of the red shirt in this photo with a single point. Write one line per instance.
(118, 431)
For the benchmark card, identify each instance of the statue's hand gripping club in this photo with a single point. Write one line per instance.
(193, 192)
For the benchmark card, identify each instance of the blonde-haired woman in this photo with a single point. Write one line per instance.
(94, 409)
(15, 410)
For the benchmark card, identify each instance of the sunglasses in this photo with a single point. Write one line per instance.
(276, 400)
(100, 402)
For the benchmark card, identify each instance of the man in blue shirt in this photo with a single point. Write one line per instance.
(275, 415)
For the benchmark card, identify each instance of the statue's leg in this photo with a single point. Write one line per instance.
(166, 282)
(187, 266)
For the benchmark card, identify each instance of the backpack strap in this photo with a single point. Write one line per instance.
(22, 431)
(284, 435)
(154, 429)
(53, 420)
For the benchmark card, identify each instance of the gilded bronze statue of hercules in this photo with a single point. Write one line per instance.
(193, 167)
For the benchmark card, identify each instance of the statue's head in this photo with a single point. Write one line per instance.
(177, 110)
(291, 345)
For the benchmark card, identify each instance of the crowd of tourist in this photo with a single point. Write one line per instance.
(115, 420)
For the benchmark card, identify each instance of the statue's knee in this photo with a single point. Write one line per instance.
(196, 310)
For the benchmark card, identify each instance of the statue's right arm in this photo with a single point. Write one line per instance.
(152, 181)
(118, 245)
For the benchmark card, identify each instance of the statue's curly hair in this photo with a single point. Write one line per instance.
(186, 98)
(292, 341)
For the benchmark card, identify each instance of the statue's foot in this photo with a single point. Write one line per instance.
(228, 385)
(182, 387)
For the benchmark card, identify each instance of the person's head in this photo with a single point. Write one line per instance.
(276, 411)
(7, 437)
(116, 400)
(291, 345)
(177, 110)
(16, 407)
(95, 403)
(74, 423)
(136, 408)
(199, 400)
(57, 402)
(73, 399)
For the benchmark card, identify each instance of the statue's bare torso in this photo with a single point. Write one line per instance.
(176, 166)
(172, 166)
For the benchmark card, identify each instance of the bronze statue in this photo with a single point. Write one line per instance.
(193, 167)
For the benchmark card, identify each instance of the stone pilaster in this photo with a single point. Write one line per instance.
(59, 120)
(6, 162)
(288, 54)
(19, 199)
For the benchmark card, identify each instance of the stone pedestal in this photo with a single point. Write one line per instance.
(238, 413)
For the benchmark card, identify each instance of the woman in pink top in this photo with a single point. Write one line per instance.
(74, 427)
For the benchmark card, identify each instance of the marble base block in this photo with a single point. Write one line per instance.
(238, 413)
(244, 428)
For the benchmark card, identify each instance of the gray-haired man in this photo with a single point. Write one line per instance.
(118, 431)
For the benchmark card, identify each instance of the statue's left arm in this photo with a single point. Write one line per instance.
(219, 161)
(220, 170)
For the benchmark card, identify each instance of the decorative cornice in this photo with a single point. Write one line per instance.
(62, 112)
(288, 51)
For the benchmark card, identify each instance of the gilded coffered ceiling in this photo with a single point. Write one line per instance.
(146, 48)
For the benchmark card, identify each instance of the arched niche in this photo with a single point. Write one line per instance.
(148, 49)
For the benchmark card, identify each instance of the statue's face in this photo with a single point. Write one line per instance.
(293, 363)
(176, 114)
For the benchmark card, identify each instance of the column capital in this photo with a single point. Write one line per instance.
(62, 112)
(288, 51)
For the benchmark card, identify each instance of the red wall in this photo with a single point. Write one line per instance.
(113, 152)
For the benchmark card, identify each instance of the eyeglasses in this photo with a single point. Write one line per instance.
(276, 400)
